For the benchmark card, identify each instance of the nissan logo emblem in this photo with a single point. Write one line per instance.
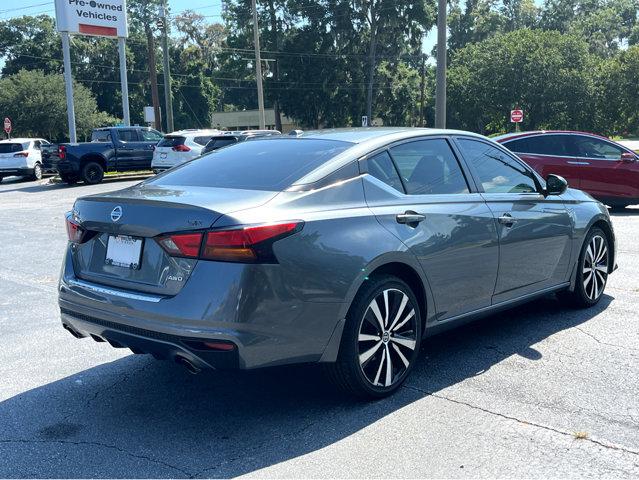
(116, 213)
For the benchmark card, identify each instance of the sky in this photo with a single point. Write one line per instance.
(209, 8)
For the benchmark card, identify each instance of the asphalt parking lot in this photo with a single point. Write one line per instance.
(540, 391)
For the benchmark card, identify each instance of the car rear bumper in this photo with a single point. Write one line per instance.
(20, 172)
(240, 304)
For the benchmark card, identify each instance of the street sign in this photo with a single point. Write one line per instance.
(149, 114)
(516, 116)
(101, 18)
(7, 125)
(364, 120)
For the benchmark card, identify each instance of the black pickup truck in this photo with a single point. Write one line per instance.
(110, 149)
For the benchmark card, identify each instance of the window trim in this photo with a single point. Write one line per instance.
(536, 178)
(467, 174)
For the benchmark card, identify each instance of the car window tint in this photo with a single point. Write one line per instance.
(268, 164)
(498, 173)
(171, 141)
(561, 145)
(381, 167)
(150, 136)
(128, 135)
(101, 136)
(36, 144)
(429, 167)
(202, 140)
(11, 147)
(221, 142)
(597, 149)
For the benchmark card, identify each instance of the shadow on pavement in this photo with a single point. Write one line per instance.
(136, 417)
(37, 187)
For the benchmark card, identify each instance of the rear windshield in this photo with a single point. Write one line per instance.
(101, 136)
(267, 164)
(169, 141)
(13, 147)
(216, 143)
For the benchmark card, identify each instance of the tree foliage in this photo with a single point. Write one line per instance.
(36, 104)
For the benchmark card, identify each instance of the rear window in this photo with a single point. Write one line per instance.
(13, 147)
(173, 141)
(267, 164)
(101, 136)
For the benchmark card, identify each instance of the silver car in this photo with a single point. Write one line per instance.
(344, 247)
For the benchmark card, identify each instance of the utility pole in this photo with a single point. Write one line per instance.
(68, 85)
(421, 91)
(440, 89)
(168, 99)
(258, 68)
(153, 76)
(371, 66)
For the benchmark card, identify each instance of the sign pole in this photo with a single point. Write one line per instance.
(124, 81)
(68, 84)
(258, 68)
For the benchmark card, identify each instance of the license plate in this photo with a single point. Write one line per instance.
(124, 251)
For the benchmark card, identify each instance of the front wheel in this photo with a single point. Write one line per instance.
(592, 271)
(381, 339)
(92, 173)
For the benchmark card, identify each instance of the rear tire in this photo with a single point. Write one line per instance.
(92, 173)
(68, 178)
(592, 271)
(37, 172)
(381, 339)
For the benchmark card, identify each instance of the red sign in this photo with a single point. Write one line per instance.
(516, 116)
(7, 125)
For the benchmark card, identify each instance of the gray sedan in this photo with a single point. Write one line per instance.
(344, 247)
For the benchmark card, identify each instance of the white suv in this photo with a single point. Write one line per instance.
(178, 147)
(21, 157)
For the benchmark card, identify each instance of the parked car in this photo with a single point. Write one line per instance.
(21, 157)
(605, 169)
(343, 247)
(179, 147)
(110, 149)
(225, 139)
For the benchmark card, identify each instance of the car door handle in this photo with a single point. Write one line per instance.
(507, 219)
(578, 163)
(410, 218)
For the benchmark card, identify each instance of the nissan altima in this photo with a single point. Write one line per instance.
(343, 247)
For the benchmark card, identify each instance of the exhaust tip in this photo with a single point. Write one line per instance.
(186, 363)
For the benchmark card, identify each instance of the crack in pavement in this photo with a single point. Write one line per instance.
(525, 422)
(603, 343)
(98, 444)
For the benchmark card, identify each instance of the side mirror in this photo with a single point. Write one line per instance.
(628, 157)
(555, 185)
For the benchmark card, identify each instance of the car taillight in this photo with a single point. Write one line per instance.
(181, 148)
(21, 154)
(250, 244)
(62, 152)
(76, 233)
(182, 244)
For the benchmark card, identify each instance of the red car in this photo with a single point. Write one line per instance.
(603, 168)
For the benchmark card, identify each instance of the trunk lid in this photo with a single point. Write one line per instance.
(142, 213)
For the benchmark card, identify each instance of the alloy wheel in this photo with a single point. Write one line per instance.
(595, 267)
(387, 338)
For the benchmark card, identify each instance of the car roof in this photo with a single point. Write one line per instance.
(119, 127)
(513, 135)
(194, 132)
(364, 140)
(19, 140)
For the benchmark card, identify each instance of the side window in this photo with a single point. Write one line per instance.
(561, 145)
(429, 167)
(597, 149)
(381, 167)
(202, 140)
(150, 136)
(128, 135)
(519, 146)
(498, 173)
(36, 144)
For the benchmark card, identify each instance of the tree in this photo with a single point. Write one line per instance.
(36, 103)
(544, 73)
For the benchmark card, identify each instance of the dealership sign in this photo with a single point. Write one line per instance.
(104, 18)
